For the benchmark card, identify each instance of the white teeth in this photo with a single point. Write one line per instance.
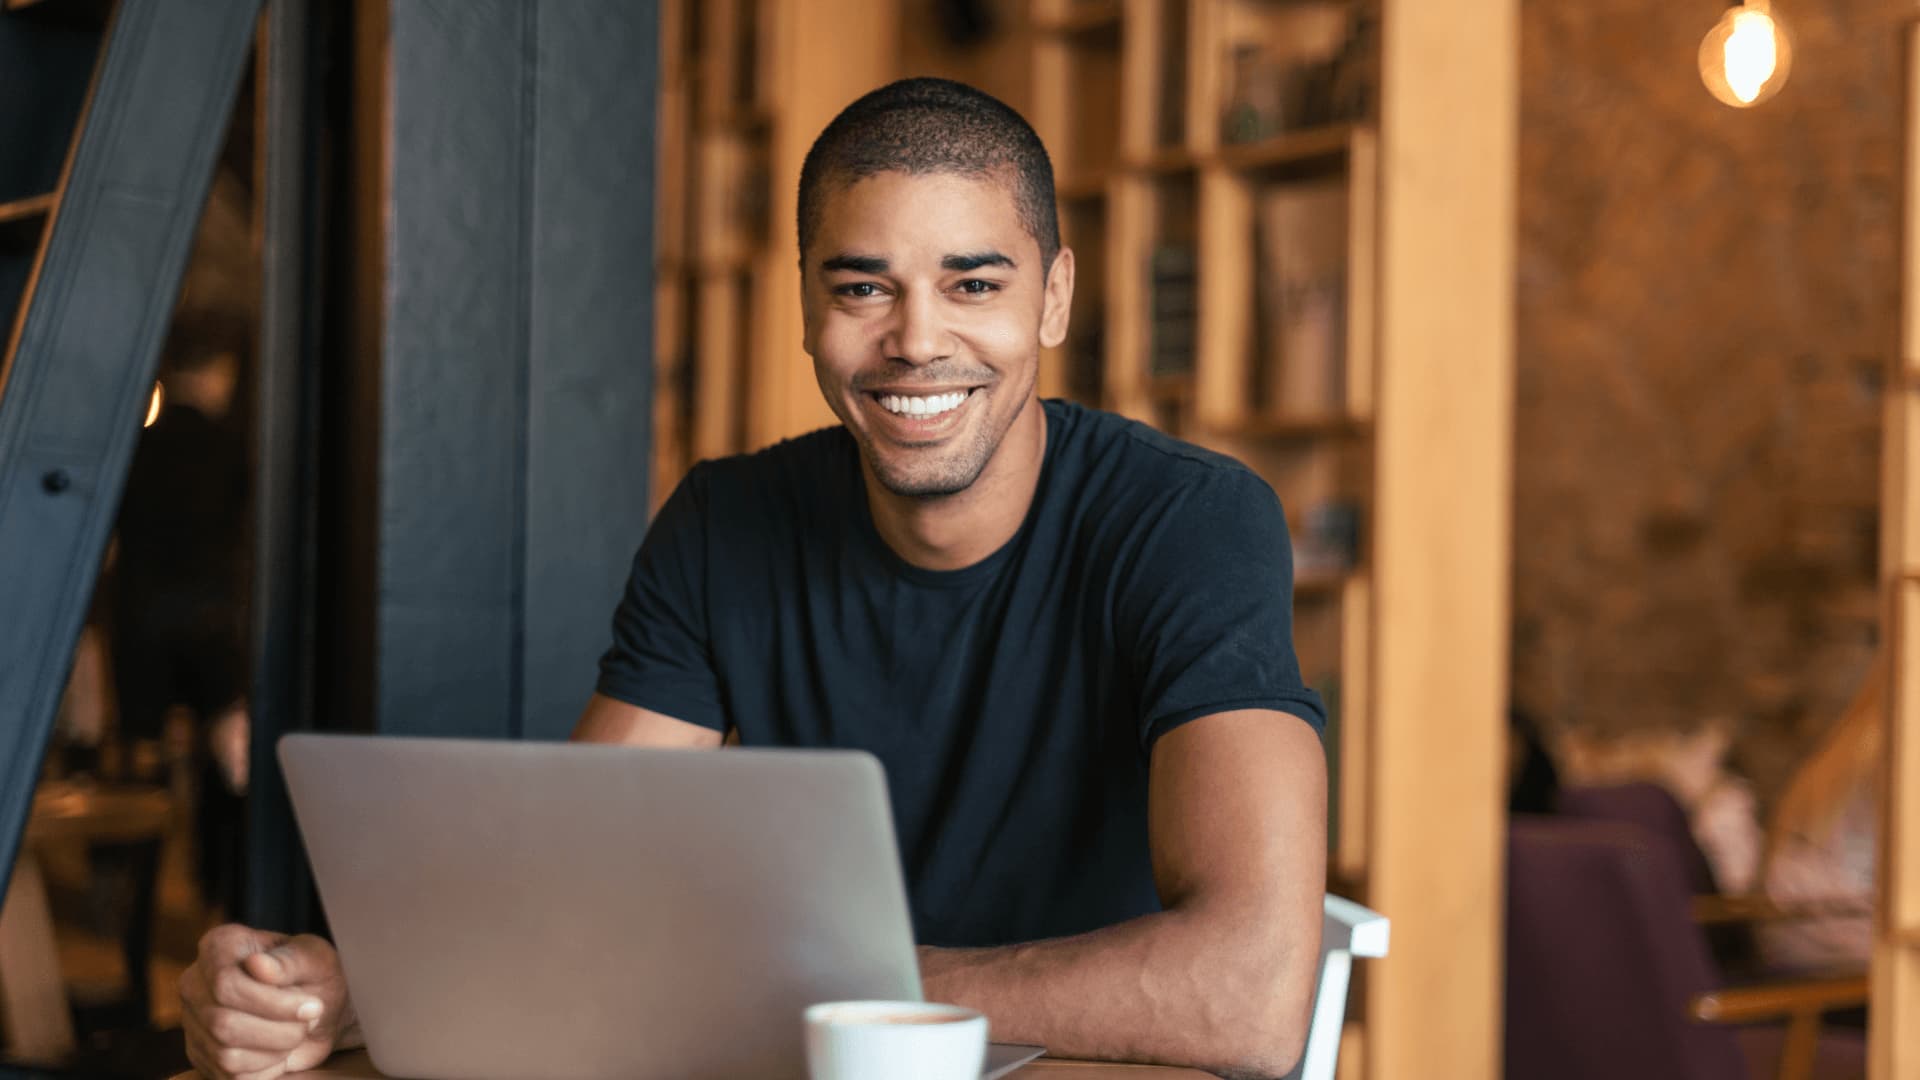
(903, 405)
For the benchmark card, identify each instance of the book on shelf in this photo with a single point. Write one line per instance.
(1294, 66)
(1175, 310)
(1302, 293)
(1087, 360)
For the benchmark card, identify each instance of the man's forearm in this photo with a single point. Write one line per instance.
(1215, 989)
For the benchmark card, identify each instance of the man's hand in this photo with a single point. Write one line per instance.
(257, 1005)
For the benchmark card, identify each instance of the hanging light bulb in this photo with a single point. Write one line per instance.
(1745, 57)
(153, 405)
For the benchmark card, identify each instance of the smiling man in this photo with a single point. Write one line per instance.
(1066, 636)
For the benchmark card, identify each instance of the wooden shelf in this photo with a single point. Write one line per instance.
(1083, 17)
(1290, 148)
(1321, 586)
(1331, 426)
(1167, 159)
(1083, 187)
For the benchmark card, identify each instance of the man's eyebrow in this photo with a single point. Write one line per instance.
(976, 260)
(859, 264)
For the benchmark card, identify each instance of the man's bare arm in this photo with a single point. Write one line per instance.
(1223, 978)
(608, 721)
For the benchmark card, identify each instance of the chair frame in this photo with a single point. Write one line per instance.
(1347, 930)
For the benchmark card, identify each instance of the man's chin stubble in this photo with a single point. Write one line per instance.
(943, 480)
(929, 489)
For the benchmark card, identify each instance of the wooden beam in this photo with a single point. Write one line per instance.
(1893, 1041)
(1142, 73)
(1443, 440)
(1225, 351)
(1363, 256)
(1129, 245)
(1349, 855)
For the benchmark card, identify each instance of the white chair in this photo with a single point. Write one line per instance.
(1348, 930)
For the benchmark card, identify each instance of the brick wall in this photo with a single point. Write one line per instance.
(1706, 298)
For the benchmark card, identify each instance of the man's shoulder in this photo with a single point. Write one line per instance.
(1125, 462)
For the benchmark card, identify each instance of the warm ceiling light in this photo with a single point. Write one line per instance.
(153, 405)
(1745, 57)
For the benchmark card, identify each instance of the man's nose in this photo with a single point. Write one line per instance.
(918, 336)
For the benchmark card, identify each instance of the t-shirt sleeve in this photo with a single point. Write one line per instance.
(1206, 608)
(660, 659)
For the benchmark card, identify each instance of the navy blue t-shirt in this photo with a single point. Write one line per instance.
(1015, 702)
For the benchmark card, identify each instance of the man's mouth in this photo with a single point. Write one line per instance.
(921, 406)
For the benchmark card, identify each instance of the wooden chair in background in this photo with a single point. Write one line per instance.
(1609, 974)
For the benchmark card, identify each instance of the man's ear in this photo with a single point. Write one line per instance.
(1057, 302)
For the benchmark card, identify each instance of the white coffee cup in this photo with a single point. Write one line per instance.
(891, 1040)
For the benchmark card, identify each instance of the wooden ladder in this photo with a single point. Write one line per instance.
(110, 124)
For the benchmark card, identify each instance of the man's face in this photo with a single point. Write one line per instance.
(926, 309)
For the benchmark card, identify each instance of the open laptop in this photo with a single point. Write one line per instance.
(538, 909)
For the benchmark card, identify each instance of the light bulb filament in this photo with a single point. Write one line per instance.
(1749, 54)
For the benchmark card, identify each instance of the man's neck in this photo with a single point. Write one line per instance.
(955, 531)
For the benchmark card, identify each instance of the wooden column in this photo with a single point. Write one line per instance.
(1444, 395)
(1894, 1040)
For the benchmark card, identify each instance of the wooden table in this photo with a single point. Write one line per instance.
(356, 1066)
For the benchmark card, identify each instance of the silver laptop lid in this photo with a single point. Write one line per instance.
(535, 909)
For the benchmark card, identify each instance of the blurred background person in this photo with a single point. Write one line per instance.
(179, 590)
(1823, 837)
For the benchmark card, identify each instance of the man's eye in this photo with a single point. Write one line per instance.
(977, 287)
(859, 290)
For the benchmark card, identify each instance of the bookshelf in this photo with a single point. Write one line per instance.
(1182, 311)
(1241, 287)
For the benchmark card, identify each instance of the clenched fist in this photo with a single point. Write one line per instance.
(257, 1004)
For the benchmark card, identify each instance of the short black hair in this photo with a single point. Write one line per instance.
(929, 126)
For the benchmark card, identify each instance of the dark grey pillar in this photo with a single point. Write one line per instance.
(515, 378)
